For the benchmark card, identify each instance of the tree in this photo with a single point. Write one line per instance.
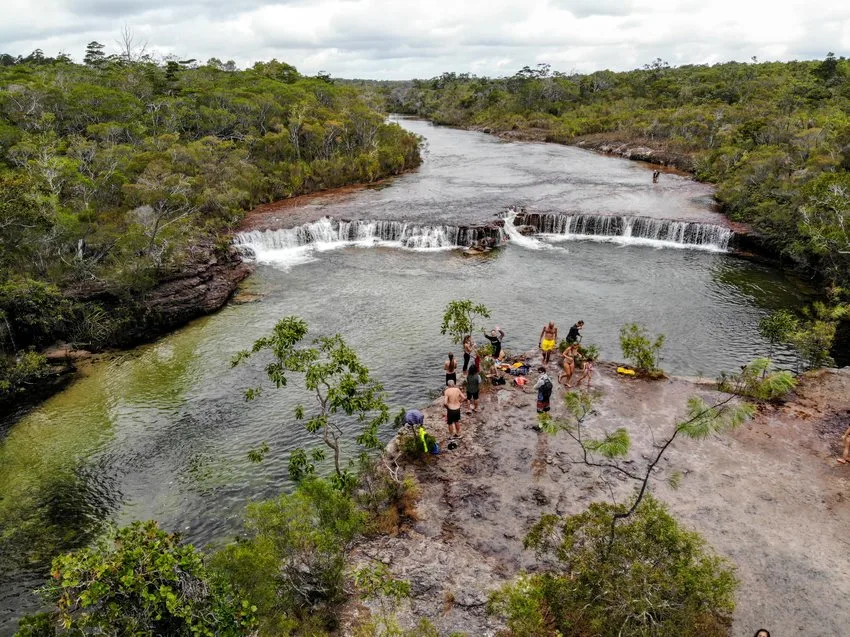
(608, 453)
(757, 381)
(341, 385)
(658, 580)
(94, 54)
(460, 318)
(643, 353)
(777, 328)
(138, 580)
(292, 564)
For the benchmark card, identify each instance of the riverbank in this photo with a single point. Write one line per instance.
(770, 497)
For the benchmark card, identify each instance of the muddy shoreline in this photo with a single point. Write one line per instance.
(769, 497)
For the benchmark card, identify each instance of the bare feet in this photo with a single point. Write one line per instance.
(842, 461)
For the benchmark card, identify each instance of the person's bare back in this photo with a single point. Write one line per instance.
(452, 397)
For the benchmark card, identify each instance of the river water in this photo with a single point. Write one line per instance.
(163, 431)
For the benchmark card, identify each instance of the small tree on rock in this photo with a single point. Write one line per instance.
(460, 318)
(643, 353)
(777, 328)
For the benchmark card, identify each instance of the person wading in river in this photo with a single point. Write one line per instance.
(450, 366)
(548, 340)
(453, 400)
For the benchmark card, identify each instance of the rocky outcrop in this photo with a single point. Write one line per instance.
(200, 288)
(639, 152)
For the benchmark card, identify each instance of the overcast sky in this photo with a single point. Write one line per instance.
(400, 39)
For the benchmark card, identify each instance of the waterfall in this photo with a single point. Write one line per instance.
(626, 230)
(296, 245)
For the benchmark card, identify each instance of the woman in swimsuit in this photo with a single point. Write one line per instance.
(450, 366)
(569, 364)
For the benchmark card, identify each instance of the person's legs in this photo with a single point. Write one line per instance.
(845, 457)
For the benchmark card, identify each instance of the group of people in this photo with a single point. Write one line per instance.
(453, 397)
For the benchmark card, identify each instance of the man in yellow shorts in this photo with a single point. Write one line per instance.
(548, 341)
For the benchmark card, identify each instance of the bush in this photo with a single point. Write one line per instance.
(18, 374)
(388, 498)
(138, 581)
(292, 565)
(651, 577)
(642, 353)
(755, 381)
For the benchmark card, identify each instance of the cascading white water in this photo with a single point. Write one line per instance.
(629, 230)
(296, 245)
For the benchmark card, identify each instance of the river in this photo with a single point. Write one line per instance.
(162, 431)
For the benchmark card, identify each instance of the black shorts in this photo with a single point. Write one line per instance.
(472, 395)
(452, 416)
(452, 376)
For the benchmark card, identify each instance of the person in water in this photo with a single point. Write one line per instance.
(453, 400)
(574, 335)
(762, 632)
(473, 384)
(468, 349)
(569, 363)
(495, 337)
(548, 340)
(655, 175)
(450, 366)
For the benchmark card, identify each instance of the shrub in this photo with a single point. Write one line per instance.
(641, 352)
(139, 580)
(651, 578)
(460, 318)
(292, 566)
(18, 374)
(387, 497)
(755, 381)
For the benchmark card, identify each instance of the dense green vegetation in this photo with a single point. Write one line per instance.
(653, 577)
(117, 172)
(774, 137)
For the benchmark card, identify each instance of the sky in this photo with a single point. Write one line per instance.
(398, 39)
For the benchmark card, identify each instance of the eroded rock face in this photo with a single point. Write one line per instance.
(201, 288)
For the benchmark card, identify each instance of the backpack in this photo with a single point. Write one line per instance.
(546, 389)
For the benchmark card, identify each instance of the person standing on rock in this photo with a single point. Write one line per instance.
(450, 367)
(495, 337)
(453, 400)
(548, 341)
(569, 363)
(468, 349)
(574, 335)
(473, 385)
(544, 390)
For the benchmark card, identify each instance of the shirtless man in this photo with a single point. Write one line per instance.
(548, 340)
(453, 399)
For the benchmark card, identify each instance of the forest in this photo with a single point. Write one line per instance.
(118, 171)
(773, 136)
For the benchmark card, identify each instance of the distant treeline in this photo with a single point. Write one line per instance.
(115, 172)
(774, 137)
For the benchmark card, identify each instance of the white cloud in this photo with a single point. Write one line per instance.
(396, 39)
